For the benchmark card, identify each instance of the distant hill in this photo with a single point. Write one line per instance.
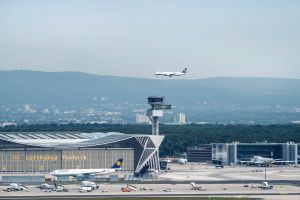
(75, 88)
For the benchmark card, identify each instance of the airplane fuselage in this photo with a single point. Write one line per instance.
(170, 74)
(259, 159)
(75, 172)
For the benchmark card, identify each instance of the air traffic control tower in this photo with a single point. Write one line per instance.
(157, 106)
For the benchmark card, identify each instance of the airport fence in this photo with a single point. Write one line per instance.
(22, 179)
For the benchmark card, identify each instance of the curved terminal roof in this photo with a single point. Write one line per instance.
(63, 139)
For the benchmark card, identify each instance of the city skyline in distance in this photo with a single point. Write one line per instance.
(36, 97)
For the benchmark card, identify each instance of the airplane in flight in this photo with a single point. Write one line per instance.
(83, 173)
(171, 74)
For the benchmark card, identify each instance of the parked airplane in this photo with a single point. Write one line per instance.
(259, 161)
(263, 160)
(170, 74)
(79, 173)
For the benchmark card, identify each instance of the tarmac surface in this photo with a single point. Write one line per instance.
(226, 182)
(114, 190)
(203, 172)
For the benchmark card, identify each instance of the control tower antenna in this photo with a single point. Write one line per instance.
(157, 106)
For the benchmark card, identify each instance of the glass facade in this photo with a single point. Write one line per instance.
(220, 153)
(298, 154)
(232, 153)
(200, 153)
(45, 151)
(247, 151)
(40, 160)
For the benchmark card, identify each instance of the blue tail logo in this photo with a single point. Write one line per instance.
(117, 164)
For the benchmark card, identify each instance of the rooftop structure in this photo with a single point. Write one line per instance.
(234, 153)
(47, 151)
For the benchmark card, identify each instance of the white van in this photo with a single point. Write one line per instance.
(89, 184)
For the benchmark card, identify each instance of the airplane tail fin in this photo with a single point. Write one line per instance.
(117, 164)
(184, 70)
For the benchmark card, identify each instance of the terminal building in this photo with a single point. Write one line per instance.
(235, 153)
(48, 151)
(200, 153)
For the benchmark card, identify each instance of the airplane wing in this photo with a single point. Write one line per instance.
(86, 174)
(95, 172)
(260, 162)
(246, 162)
(170, 74)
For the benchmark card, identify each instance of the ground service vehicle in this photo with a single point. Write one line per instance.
(16, 187)
(85, 189)
(196, 187)
(93, 185)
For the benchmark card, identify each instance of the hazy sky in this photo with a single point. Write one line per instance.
(258, 38)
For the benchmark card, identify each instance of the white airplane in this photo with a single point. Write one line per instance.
(262, 160)
(259, 160)
(87, 172)
(170, 74)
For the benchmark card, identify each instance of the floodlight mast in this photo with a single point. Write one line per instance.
(157, 106)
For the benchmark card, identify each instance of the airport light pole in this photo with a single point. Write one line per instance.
(265, 171)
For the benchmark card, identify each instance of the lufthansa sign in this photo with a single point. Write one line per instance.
(41, 157)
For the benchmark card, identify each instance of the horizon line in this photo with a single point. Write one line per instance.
(154, 78)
